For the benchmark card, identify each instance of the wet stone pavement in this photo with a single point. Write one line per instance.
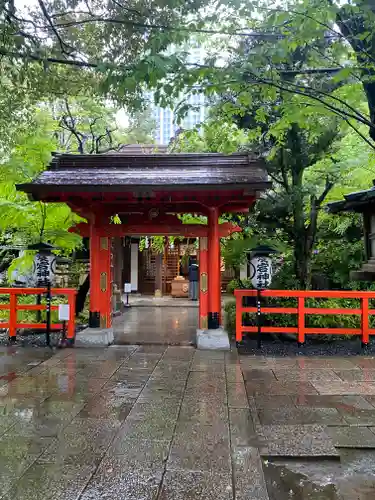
(172, 423)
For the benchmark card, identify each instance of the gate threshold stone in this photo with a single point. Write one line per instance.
(94, 337)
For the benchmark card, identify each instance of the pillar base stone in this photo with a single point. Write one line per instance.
(94, 337)
(213, 340)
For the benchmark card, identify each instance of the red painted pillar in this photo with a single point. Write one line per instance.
(203, 284)
(219, 278)
(100, 280)
(214, 306)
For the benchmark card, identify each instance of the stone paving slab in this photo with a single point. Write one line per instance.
(50, 482)
(307, 375)
(203, 412)
(364, 362)
(200, 447)
(295, 441)
(194, 485)
(242, 428)
(280, 388)
(247, 464)
(274, 402)
(364, 375)
(358, 417)
(352, 437)
(237, 396)
(342, 388)
(113, 481)
(300, 416)
(325, 363)
(263, 375)
(12, 468)
(345, 403)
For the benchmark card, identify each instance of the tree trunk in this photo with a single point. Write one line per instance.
(301, 256)
(302, 265)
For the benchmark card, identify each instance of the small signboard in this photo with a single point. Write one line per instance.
(261, 272)
(64, 312)
(128, 288)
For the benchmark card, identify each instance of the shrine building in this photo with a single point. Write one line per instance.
(125, 196)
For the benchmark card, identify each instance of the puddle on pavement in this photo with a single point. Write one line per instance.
(351, 478)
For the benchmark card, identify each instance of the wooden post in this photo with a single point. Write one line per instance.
(239, 305)
(365, 321)
(100, 280)
(220, 283)
(301, 320)
(12, 316)
(214, 305)
(158, 274)
(72, 317)
(203, 284)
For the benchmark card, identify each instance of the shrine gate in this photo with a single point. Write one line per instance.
(147, 191)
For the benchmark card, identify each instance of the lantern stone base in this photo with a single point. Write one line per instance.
(94, 337)
(217, 339)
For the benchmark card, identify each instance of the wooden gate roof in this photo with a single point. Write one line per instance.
(123, 172)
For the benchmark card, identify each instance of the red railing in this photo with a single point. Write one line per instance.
(12, 324)
(302, 311)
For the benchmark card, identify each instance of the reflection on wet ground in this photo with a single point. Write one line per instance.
(171, 423)
(157, 325)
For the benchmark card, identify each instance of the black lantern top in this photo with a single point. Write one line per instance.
(262, 250)
(41, 247)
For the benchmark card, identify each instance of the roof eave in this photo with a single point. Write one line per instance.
(34, 189)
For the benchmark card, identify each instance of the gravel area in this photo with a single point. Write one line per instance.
(33, 340)
(271, 347)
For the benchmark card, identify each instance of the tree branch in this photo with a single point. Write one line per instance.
(63, 45)
(54, 60)
(328, 186)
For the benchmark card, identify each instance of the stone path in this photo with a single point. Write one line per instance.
(173, 423)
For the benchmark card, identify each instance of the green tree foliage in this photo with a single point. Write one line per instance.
(118, 49)
(79, 125)
(24, 222)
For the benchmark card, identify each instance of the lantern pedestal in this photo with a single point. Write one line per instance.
(94, 337)
(216, 339)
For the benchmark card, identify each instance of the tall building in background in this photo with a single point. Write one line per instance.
(166, 124)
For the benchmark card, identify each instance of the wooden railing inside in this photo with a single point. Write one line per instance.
(14, 306)
(302, 311)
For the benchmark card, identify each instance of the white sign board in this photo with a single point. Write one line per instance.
(44, 269)
(261, 272)
(128, 288)
(64, 312)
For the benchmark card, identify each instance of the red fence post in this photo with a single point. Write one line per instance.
(72, 317)
(365, 320)
(12, 315)
(239, 302)
(301, 320)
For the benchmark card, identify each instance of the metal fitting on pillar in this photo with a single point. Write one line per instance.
(94, 319)
(213, 321)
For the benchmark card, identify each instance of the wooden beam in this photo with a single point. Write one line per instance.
(185, 230)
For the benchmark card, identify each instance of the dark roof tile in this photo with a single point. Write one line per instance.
(170, 170)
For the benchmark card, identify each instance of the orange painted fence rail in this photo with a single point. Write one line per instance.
(302, 311)
(12, 324)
